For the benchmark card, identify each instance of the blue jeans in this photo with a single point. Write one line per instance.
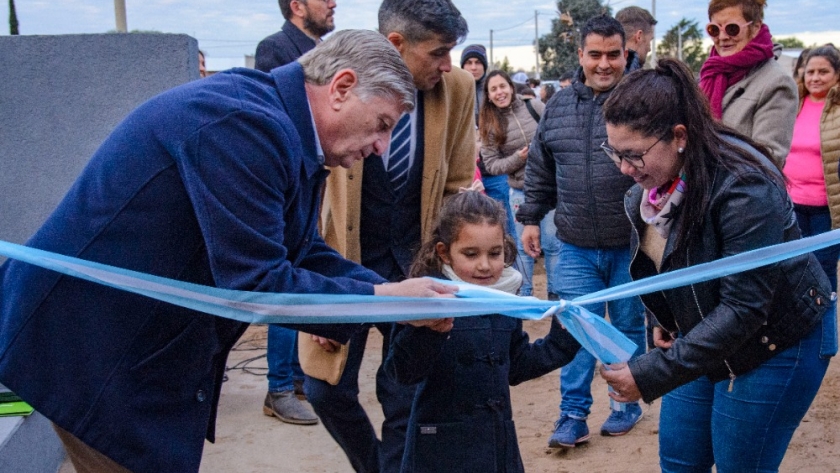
(550, 247)
(345, 419)
(749, 428)
(583, 271)
(497, 188)
(283, 365)
(813, 221)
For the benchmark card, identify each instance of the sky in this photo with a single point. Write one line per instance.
(228, 30)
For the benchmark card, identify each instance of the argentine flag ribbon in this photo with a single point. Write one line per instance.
(595, 334)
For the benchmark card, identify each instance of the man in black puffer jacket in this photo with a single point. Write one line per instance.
(567, 170)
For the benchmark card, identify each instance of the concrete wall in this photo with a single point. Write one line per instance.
(60, 96)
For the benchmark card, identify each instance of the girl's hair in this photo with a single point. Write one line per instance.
(654, 101)
(490, 119)
(468, 207)
(753, 10)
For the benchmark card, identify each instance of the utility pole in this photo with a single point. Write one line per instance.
(119, 12)
(653, 50)
(492, 64)
(537, 44)
(13, 21)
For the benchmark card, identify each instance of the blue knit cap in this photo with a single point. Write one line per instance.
(474, 50)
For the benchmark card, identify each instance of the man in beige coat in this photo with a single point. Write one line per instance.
(379, 217)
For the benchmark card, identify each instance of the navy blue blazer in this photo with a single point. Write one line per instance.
(214, 182)
(282, 47)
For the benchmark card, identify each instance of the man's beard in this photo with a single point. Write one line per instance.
(316, 28)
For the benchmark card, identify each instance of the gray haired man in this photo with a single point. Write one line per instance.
(216, 182)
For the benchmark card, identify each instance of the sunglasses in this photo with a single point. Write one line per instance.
(634, 159)
(732, 29)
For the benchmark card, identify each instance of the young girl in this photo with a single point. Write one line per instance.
(461, 416)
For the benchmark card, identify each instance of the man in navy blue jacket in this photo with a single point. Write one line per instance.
(305, 23)
(216, 182)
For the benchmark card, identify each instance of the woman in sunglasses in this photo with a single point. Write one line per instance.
(748, 90)
(739, 359)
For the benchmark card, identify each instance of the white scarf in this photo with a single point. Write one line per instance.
(509, 281)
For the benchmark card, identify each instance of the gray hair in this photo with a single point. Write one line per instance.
(380, 70)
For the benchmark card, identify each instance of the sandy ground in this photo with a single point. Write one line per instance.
(248, 441)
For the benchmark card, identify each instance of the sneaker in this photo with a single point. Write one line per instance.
(285, 406)
(569, 432)
(621, 422)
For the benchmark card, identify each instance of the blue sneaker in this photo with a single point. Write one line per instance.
(569, 432)
(621, 422)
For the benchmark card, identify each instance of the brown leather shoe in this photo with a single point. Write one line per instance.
(287, 407)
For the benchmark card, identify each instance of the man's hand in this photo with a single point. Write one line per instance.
(415, 287)
(325, 343)
(531, 240)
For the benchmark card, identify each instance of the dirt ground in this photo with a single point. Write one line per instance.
(249, 442)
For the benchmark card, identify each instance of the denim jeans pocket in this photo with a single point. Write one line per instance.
(828, 344)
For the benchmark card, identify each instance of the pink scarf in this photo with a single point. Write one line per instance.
(718, 73)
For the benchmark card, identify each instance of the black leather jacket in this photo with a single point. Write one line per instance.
(731, 325)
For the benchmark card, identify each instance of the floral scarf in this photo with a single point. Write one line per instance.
(658, 209)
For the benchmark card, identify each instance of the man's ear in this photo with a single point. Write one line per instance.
(398, 40)
(298, 8)
(639, 37)
(341, 87)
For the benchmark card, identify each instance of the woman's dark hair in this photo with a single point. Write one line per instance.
(800, 63)
(654, 101)
(549, 91)
(490, 118)
(467, 207)
(829, 53)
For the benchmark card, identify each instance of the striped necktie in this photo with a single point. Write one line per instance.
(398, 159)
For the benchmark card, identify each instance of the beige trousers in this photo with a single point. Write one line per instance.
(86, 459)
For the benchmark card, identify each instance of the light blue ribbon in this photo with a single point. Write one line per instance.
(596, 335)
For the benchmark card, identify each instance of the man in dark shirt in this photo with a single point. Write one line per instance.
(306, 22)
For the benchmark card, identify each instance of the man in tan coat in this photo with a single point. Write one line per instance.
(379, 213)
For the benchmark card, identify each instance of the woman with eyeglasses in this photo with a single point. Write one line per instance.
(747, 88)
(739, 359)
(811, 166)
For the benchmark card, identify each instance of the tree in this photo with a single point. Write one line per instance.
(790, 43)
(694, 54)
(13, 21)
(558, 48)
(503, 66)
